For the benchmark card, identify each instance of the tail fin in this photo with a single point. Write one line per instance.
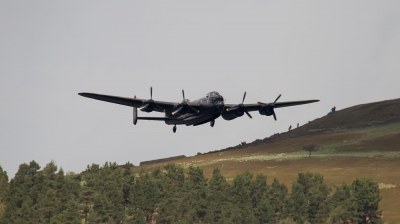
(135, 114)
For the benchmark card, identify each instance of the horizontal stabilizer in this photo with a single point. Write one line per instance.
(154, 118)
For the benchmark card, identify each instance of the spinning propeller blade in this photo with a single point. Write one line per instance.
(151, 101)
(240, 107)
(272, 105)
(248, 114)
(183, 105)
(278, 98)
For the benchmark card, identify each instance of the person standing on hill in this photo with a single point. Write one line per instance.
(290, 128)
(297, 125)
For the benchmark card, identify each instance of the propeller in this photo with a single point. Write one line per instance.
(273, 111)
(151, 92)
(149, 104)
(278, 98)
(184, 105)
(272, 106)
(240, 107)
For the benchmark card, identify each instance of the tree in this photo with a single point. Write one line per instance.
(171, 195)
(47, 207)
(3, 189)
(103, 209)
(127, 183)
(276, 196)
(138, 217)
(343, 205)
(316, 197)
(307, 202)
(310, 148)
(93, 217)
(216, 198)
(258, 190)
(3, 183)
(145, 196)
(68, 216)
(21, 194)
(194, 205)
(366, 193)
(296, 204)
(239, 207)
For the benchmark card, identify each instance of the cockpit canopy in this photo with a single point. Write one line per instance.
(212, 94)
(215, 98)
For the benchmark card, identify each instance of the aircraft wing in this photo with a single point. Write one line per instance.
(130, 102)
(249, 107)
(257, 106)
(293, 103)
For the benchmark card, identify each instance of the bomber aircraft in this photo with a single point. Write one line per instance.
(196, 112)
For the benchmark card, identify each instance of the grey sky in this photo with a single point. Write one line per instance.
(341, 52)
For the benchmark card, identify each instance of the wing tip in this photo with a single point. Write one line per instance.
(312, 101)
(85, 94)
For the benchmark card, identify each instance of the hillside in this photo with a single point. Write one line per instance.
(359, 141)
(355, 117)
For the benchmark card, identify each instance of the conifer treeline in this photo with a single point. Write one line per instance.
(113, 194)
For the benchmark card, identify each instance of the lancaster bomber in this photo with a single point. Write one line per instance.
(195, 112)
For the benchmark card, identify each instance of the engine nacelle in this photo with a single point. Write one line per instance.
(230, 115)
(267, 110)
(148, 108)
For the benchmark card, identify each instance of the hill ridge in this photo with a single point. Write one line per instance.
(340, 121)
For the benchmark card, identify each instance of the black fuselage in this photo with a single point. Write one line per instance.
(211, 107)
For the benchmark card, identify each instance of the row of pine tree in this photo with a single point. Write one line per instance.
(113, 194)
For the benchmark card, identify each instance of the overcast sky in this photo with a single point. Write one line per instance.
(341, 52)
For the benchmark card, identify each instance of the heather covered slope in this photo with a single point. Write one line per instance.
(359, 141)
(360, 116)
(348, 119)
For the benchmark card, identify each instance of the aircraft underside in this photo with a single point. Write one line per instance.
(192, 120)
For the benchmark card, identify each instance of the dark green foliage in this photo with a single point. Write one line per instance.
(217, 197)
(138, 217)
(308, 200)
(112, 194)
(104, 194)
(194, 205)
(70, 215)
(296, 203)
(366, 193)
(277, 195)
(45, 196)
(239, 206)
(4, 185)
(343, 205)
(145, 196)
(171, 195)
